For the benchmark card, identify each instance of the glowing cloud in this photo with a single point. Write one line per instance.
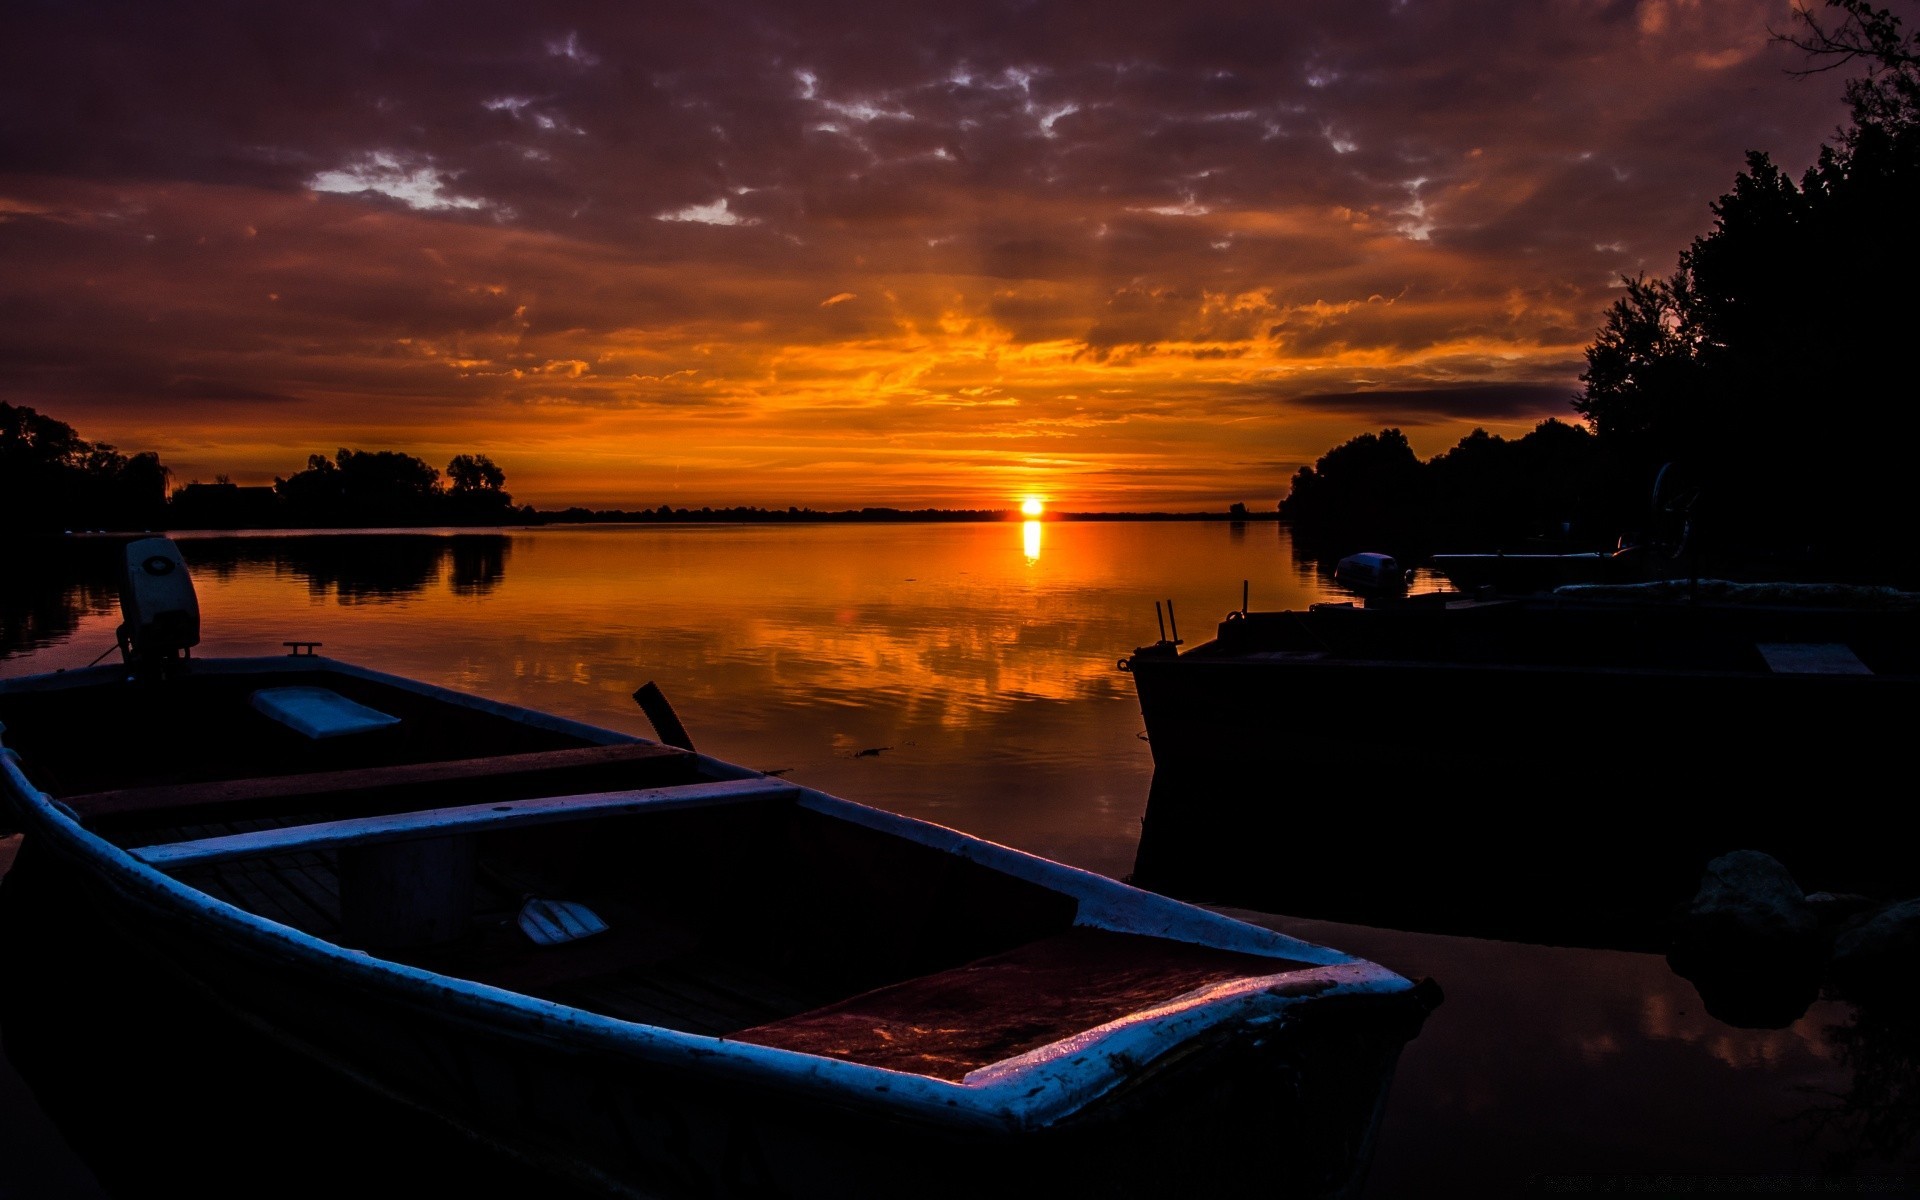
(716, 213)
(418, 186)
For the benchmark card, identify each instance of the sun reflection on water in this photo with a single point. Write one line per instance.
(992, 681)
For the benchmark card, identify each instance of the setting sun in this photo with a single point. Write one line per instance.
(1032, 506)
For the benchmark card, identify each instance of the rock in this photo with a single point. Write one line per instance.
(1747, 896)
(1835, 910)
(1881, 953)
(1750, 942)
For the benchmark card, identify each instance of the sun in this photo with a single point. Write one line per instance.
(1032, 506)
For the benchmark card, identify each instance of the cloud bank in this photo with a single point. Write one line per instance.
(1120, 255)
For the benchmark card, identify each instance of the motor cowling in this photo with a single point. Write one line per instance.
(160, 613)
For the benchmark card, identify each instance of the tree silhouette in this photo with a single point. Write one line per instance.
(1367, 490)
(1758, 398)
(476, 490)
(474, 473)
(364, 488)
(1773, 365)
(1490, 494)
(1557, 484)
(361, 488)
(51, 478)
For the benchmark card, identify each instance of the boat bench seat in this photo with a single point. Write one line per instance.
(433, 823)
(498, 774)
(1812, 658)
(952, 1023)
(318, 713)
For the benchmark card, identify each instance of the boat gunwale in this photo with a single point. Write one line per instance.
(459, 819)
(1036, 1089)
(1214, 654)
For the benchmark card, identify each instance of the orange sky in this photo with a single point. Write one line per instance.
(1119, 256)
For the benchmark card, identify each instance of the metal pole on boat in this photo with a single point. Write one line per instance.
(1243, 597)
(1158, 616)
(1171, 620)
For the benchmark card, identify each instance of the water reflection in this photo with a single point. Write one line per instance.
(1030, 540)
(478, 563)
(992, 683)
(1554, 1070)
(1876, 1116)
(49, 586)
(1319, 838)
(359, 568)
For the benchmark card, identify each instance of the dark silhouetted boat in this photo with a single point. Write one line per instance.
(1602, 736)
(652, 972)
(1524, 572)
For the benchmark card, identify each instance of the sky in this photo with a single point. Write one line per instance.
(1120, 256)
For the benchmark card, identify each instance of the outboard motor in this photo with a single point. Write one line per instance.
(161, 613)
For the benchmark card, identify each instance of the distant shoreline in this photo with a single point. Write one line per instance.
(883, 516)
(539, 520)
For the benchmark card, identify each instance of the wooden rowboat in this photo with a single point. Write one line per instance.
(651, 972)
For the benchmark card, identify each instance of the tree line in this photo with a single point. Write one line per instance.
(359, 488)
(1758, 405)
(52, 479)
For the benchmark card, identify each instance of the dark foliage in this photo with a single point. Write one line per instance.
(1556, 484)
(1753, 411)
(1487, 493)
(1370, 490)
(476, 492)
(52, 479)
(361, 488)
(1772, 366)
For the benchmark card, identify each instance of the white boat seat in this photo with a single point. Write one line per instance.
(320, 713)
(1812, 658)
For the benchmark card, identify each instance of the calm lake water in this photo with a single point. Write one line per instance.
(966, 674)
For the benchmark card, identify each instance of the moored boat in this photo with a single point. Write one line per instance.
(653, 972)
(1521, 572)
(1600, 738)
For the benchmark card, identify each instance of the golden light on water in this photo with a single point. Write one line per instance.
(1030, 539)
(1032, 506)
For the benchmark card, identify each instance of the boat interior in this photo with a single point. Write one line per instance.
(634, 880)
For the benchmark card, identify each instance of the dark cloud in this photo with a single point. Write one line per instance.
(1462, 402)
(221, 390)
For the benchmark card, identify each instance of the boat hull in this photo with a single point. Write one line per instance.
(1295, 1104)
(1224, 1054)
(1436, 760)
